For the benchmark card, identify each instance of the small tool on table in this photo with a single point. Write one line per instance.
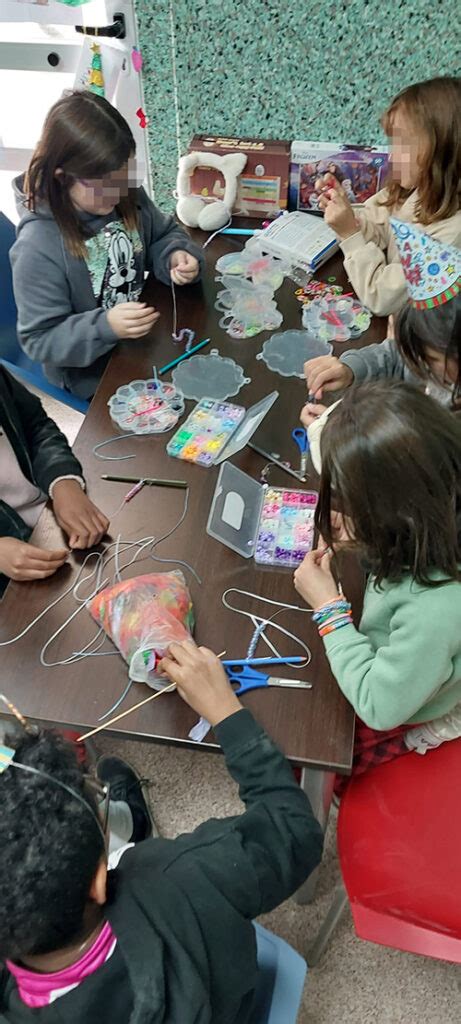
(246, 678)
(148, 481)
(299, 435)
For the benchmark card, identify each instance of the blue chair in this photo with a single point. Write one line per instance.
(282, 973)
(11, 354)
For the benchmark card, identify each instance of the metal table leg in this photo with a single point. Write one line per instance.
(319, 788)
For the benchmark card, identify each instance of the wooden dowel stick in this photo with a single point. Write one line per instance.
(117, 718)
(153, 696)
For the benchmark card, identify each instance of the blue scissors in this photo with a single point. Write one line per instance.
(247, 678)
(299, 436)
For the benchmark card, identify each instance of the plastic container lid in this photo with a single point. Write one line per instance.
(286, 352)
(235, 510)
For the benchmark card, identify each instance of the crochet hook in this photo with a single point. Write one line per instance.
(150, 481)
(185, 355)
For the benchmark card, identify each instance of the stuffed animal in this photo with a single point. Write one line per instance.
(196, 211)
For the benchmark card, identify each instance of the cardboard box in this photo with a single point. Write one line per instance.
(362, 170)
(263, 185)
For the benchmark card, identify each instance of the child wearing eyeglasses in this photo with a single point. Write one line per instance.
(85, 240)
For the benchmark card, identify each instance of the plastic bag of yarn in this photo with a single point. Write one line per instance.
(142, 616)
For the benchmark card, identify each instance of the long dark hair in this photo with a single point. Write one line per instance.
(439, 328)
(391, 464)
(85, 137)
(434, 107)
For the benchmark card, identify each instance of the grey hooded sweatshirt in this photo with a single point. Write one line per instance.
(63, 300)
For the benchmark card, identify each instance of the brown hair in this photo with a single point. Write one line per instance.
(391, 464)
(85, 137)
(434, 107)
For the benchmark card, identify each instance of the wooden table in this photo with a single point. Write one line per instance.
(314, 727)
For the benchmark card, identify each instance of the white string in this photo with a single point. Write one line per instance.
(112, 458)
(98, 579)
(218, 232)
(175, 312)
(261, 623)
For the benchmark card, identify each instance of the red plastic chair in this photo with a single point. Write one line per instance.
(399, 845)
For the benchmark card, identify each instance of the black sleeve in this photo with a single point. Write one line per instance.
(258, 859)
(48, 449)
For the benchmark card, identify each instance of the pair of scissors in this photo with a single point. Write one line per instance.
(247, 678)
(299, 436)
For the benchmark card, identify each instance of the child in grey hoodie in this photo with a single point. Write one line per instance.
(85, 240)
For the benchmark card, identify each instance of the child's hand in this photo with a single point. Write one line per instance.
(201, 681)
(314, 580)
(311, 412)
(184, 268)
(326, 373)
(21, 561)
(83, 523)
(337, 208)
(132, 319)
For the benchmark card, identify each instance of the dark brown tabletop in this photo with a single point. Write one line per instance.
(314, 727)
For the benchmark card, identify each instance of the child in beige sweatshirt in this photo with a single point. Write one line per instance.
(424, 126)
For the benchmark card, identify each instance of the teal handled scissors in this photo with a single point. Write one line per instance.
(247, 678)
(299, 436)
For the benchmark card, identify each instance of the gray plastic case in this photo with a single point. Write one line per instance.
(235, 510)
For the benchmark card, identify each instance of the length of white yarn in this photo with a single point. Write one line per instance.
(102, 561)
(260, 623)
(113, 458)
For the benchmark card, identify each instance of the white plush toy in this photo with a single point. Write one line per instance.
(196, 211)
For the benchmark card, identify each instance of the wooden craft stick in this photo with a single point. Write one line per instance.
(153, 696)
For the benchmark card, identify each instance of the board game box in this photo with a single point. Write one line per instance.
(362, 171)
(263, 185)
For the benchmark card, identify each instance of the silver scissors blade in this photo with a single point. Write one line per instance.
(295, 684)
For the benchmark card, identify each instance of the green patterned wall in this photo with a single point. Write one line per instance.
(317, 70)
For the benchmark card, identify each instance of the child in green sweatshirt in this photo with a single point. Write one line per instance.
(390, 489)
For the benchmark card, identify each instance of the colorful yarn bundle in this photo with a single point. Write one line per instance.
(142, 616)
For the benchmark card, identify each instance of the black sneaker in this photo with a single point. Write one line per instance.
(125, 784)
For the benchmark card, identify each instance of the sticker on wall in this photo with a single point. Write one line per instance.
(95, 81)
(143, 119)
(136, 59)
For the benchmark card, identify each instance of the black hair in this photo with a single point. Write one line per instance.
(50, 848)
(440, 328)
(391, 464)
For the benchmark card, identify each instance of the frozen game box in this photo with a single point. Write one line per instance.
(361, 170)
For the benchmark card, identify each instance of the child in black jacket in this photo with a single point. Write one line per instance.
(166, 937)
(36, 464)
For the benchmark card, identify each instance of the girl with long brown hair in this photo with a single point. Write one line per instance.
(86, 237)
(390, 490)
(424, 127)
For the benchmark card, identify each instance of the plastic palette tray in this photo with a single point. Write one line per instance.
(216, 430)
(273, 524)
(206, 431)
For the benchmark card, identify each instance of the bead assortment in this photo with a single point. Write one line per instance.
(205, 432)
(286, 527)
(146, 407)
